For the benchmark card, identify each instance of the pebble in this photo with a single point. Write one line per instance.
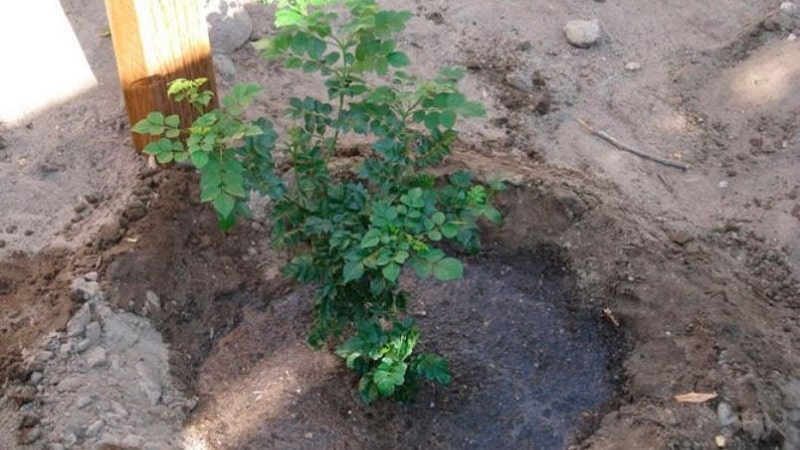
(90, 276)
(77, 324)
(148, 384)
(153, 300)
(29, 420)
(66, 348)
(582, 33)
(520, 82)
(69, 384)
(83, 401)
(85, 290)
(96, 357)
(633, 66)
(224, 67)
(82, 346)
(725, 415)
(36, 377)
(93, 332)
(790, 8)
(55, 446)
(69, 439)
(95, 428)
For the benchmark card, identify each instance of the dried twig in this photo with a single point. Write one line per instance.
(624, 147)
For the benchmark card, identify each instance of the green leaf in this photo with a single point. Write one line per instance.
(223, 204)
(433, 367)
(423, 268)
(398, 59)
(391, 272)
(435, 235)
(448, 269)
(388, 376)
(353, 270)
(199, 159)
(450, 229)
(438, 218)
(371, 238)
(172, 121)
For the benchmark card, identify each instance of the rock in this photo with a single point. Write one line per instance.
(77, 324)
(153, 300)
(790, 8)
(229, 25)
(95, 428)
(69, 439)
(119, 409)
(29, 420)
(36, 377)
(23, 394)
(132, 441)
(85, 290)
(135, 211)
(82, 345)
(224, 66)
(42, 356)
(83, 401)
(725, 415)
(55, 446)
(582, 33)
(66, 348)
(520, 82)
(96, 357)
(680, 237)
(633, 66)
(93, 332)
(148, 384)
(69, 384)
(90, 276)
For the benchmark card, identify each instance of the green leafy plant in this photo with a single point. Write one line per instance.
(350, 231)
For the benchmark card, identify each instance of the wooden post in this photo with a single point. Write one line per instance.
(155, 42)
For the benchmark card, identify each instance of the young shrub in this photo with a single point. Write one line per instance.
(350, 233)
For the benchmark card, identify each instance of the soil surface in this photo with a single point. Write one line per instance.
(128, 319)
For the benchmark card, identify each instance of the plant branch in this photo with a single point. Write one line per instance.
(624, 147)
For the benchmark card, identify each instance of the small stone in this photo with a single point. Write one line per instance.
(83, 401)
(135, 211)
(66, 348)
(28, 232)
(29, 420)
(153, 300)
(229, 24)
(725, 415)
(77, 324)
(96, 357)
(520, 82)
(633, 66)
(90, 276)
(791, 37)
(582, 33)
(119, 409)
(723, 184)
(43, 356)
(93, 332)
(93, 199)
(681, 237)
(85, 290)
(95, 428)
(69, 439)
(753, 424)
(224, 66)
(309, 435)
(790, 8)
(80, 207)
(69, 384)
(55, 446)
(132, 441)
(148, 384)
(720, 441)
(36, 377)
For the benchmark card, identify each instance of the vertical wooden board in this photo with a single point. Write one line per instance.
(155, 42)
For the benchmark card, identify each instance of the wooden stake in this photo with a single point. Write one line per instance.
(155, 42)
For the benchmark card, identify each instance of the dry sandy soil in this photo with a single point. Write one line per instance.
(615, 283)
